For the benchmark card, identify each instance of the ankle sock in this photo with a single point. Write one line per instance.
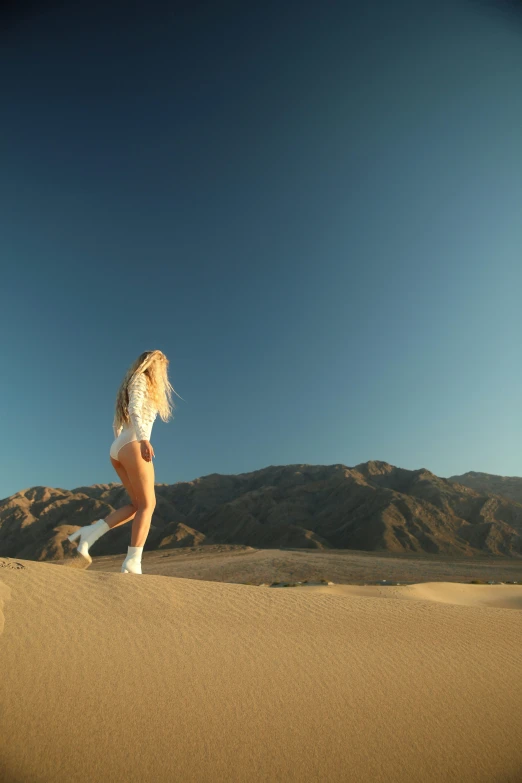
(90, 534)
(98, 529)
(132, 562)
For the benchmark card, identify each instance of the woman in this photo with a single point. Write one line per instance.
(144, 392)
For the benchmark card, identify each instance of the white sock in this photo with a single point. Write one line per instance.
(99, 528)
(90, 534)
(132, 562)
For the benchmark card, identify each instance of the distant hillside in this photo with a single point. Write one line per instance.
(373, 506)
(489, 484)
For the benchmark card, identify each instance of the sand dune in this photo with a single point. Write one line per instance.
(116, 677)
(500, 596)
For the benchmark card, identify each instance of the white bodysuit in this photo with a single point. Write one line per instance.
(142, 413)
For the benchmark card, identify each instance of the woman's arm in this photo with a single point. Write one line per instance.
(137, 394)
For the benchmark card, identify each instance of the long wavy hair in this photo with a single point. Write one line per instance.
(154, 365)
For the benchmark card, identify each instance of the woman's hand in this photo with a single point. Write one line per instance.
(147, 452)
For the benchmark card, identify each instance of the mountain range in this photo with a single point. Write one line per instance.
(373, 506)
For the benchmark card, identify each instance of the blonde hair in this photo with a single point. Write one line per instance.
(154, 366)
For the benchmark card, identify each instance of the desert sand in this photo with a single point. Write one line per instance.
(119, 677)
(248, 565)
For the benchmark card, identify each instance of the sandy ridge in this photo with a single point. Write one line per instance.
(161, 679)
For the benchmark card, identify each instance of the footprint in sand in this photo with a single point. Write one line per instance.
(10, 564)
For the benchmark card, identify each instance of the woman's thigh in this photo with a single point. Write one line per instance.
(140, 473)
(125, 480)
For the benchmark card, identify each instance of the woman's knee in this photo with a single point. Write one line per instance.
(146, 505)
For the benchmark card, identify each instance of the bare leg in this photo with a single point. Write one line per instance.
(141, 526)
(139, 476)
(123, 514)
(120, 515)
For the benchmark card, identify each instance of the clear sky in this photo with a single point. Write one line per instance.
(314, 209)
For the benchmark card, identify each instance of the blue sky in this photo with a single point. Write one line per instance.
(313, 209)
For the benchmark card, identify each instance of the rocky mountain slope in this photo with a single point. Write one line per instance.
(490, 484)
(373, 506)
